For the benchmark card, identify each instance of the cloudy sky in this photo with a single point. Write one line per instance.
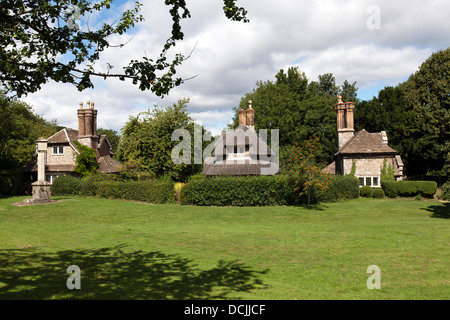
(373, 42)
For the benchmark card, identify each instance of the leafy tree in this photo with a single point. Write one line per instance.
(40, 40)
(301, 164)
(415, 114)
(19, 130)
(146, 140)
(300, 109)
(86, 162)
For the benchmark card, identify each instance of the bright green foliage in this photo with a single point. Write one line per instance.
(298, 108)
(19, 130)
(301, 165)
(86, 162)
(445, 191)
(387, 172)
(39, 42)
(146, 141)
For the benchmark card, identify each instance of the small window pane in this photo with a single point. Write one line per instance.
(375, 181)
(368, 181)
(361, 182)
(61, 150)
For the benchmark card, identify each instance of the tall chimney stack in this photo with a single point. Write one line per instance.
(242, 117)
(344, 121)
(81, 127)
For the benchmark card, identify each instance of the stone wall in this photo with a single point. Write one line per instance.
(68, 157)
(366, 166)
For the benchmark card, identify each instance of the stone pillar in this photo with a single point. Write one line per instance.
(41, 188)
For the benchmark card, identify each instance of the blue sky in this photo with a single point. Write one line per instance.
(376, 43)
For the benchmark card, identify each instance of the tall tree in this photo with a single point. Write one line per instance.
(20, 127)
(415, 114)
(40, 40)
(146, 141)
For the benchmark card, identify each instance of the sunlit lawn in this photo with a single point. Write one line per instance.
(129, 250)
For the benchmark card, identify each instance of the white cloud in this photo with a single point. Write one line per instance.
(230, 57)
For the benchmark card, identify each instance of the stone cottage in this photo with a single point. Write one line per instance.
(62, 151)
(367, 152)
(241, 151)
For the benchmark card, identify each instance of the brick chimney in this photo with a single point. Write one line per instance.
(344, 121)
(242, 117)
(87, 125)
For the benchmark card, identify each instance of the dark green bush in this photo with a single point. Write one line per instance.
(409, 188)
(153, 192)
(366, 191)
(341, 188)
(66, 185)
(378, 193)
(240, 191)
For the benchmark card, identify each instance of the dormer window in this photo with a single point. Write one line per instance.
(58, 151)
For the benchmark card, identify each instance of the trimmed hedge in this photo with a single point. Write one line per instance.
(262, 191)
(240, 191)
(341, 188)
(153, 192)
(378, 193)
(409, 188)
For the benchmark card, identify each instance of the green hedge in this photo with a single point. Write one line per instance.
(409, 188)
(240, 191)
(445, 191)
(262, 191)
(153, 192)
(341, 188)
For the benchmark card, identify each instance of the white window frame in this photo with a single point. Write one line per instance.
(370, 179)
(51, 177)
(59, 151)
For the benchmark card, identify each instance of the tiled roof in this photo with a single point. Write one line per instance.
(65, 135)
(212, 168)
(108, 165)
(366, 143)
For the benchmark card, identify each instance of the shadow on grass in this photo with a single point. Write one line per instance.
(441, 211)
(111, 273)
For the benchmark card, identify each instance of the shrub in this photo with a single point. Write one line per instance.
(341, 188)
(378, 193)
(12, 182)
(409, 188)
(445, 191)
(66, 185)
(153, 192)
(240, 191)
(366, 191)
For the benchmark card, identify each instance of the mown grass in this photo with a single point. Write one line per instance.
(129, 250)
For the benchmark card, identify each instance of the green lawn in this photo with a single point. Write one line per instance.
(129, 250)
